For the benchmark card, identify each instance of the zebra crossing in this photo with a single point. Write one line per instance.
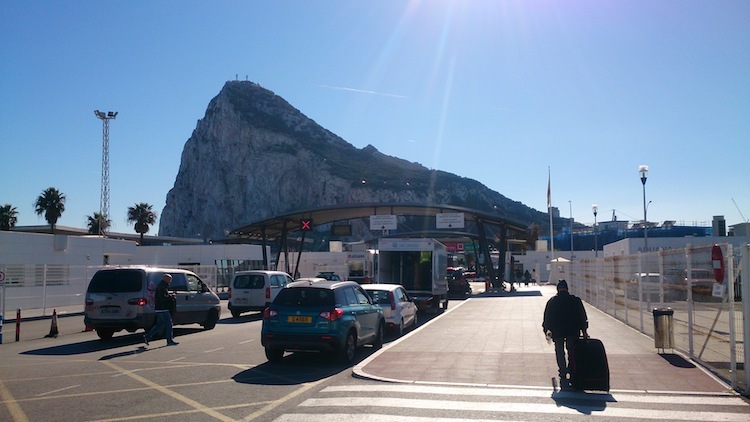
(420, 403)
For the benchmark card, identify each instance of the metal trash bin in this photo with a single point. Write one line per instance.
(663, 328)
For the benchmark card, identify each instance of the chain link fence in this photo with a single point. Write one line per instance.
(710, 320)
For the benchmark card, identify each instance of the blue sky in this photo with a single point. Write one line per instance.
(497, 91)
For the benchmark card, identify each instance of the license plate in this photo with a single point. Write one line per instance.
(299, 319)
(110, 311)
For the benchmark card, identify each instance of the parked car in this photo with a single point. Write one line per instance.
(123, 299)
(703, 284)
(254, 290)
(332, 317)
(399, 309)
(649, 285)
(458, 285)
(329, 275)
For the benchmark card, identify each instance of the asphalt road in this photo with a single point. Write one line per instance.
(222, 374)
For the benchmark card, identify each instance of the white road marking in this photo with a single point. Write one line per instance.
(359, 417)
(533, 408)
(58, 390)
(214, 350)
(119, 374)
(708, 399)
(176, 359)
(246, 341)
(177, 396)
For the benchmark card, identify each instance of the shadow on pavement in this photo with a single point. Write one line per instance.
(299, 368)
(676, 360)
(97, 345)
(502, 293)
(583, 402)
(251, 317)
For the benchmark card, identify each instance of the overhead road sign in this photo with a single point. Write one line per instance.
(383, 222)
(449, 220)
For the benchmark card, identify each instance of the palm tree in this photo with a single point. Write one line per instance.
(98, 224)
(8, 217)
(51, 203)
(143, 216)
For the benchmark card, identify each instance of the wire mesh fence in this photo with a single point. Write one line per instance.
(709, 319)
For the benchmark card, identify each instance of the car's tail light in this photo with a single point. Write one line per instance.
(230, 293)
(89, 302)
(141, 301)
(270, 313)
(333, 314)
(392, 299)
(268, 293)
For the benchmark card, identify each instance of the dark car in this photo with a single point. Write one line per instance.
(458, 286)
(329, 275)
(321, 316)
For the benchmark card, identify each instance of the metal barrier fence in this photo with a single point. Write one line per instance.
(50, 286)
(710, 320)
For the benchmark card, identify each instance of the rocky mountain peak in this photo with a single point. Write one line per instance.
(253, 155)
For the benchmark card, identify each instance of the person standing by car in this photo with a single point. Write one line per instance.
(165, 303)
(564, 319)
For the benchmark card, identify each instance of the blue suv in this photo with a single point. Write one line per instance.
(321, 316)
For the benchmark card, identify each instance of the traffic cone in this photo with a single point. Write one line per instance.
(53, 328)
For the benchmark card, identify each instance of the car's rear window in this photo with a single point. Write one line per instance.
(380, 295)
(250, 281)
(120, 281)
(304, 296)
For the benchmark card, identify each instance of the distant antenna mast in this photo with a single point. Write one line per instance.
(104, 201)
(738, 210)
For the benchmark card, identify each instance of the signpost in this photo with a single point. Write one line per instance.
(383, 222)
(2, 304)
(449, 220)
(717, 262)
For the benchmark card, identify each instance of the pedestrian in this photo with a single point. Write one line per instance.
(165, 303)
(564, 320)
(526, 277)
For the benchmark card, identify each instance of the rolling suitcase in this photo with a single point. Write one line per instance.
(589, 369)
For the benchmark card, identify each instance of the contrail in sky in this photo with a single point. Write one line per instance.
(361, 91)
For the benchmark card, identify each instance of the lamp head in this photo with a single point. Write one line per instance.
(595, 209)
(643, 171)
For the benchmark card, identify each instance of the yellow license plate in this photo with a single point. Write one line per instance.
(299, 319)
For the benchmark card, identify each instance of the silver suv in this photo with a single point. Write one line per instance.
(123, 299)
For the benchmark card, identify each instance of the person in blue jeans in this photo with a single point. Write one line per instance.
(164, 302)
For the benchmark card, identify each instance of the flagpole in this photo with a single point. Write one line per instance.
(549, 212)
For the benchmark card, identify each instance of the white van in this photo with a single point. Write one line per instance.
(255, 290)
(123, 299)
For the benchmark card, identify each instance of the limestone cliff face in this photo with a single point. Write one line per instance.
(253, 156)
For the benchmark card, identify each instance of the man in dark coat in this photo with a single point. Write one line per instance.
(163, 305)
(565, 318)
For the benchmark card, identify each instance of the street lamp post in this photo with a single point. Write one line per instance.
(595, 209)
(570, 203)
(643, 171)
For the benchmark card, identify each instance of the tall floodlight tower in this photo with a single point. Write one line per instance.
(104, 201)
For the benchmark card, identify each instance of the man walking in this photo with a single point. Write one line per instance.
(164, 304)
(565, 318)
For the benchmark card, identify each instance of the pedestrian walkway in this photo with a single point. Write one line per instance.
(496, 339)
